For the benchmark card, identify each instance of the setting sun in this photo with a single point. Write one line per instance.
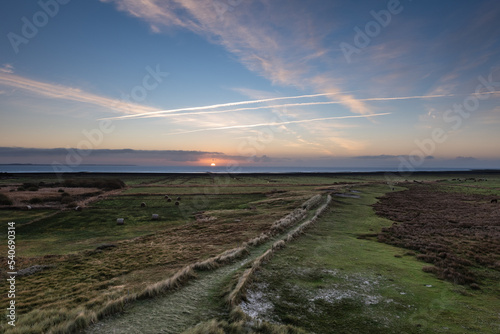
(212, 164)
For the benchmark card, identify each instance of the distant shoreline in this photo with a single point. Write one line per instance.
(367, 173)
(45, 165)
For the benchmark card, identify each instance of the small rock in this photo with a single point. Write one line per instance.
(105, 246)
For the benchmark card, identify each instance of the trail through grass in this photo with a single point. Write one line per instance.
(198, 301)
(329, 281)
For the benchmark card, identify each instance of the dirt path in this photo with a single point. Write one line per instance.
(184, 308)
(85, 202)
(179, 310)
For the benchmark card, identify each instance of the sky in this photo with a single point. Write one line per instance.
(251, 82)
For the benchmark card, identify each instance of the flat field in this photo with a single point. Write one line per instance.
(418, 256)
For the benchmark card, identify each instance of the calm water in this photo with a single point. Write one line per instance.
(198, 169)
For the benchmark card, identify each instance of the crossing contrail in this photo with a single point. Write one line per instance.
(243, 109)
(276, 123)
(200, 110)
(197, 110)
(301, 104)
(215, 106)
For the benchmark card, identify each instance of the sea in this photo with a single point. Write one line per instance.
(33, 168)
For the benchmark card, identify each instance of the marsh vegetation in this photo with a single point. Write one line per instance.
(350, 268)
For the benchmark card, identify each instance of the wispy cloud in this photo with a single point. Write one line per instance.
(20, 154)
(61, 92)
(387, 157)
(49, 155)
(180, 112)
(215, 106)
(263, 43)
(7, 68)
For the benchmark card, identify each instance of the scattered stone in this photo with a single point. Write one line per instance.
(32, 270)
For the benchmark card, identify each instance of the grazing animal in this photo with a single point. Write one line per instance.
(120, 221)
(169, 200)
(78, 208)
(155, 216)
(178, 198)
(494, 201)
(143, 205)
(177, 203)
(166, 197)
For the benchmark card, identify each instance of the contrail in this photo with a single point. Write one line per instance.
(239, 109)
(276, 123)
(302, 104)
(214, 106)
(178, 112)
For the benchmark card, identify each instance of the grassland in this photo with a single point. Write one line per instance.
(337, 278)
(331, 281)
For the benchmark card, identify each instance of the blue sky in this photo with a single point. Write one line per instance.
(317, 83)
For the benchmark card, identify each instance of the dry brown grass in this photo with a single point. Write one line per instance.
(98, 283)
(50, 197)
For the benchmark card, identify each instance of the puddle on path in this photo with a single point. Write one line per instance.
(347, 195)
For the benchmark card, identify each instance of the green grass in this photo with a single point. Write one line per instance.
(328, 257)
(304, 280)
(490, 187)
(22, 217)
(90, 279)
(71, 231)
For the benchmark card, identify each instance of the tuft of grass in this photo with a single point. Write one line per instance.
(171, 283)
(238, 293)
